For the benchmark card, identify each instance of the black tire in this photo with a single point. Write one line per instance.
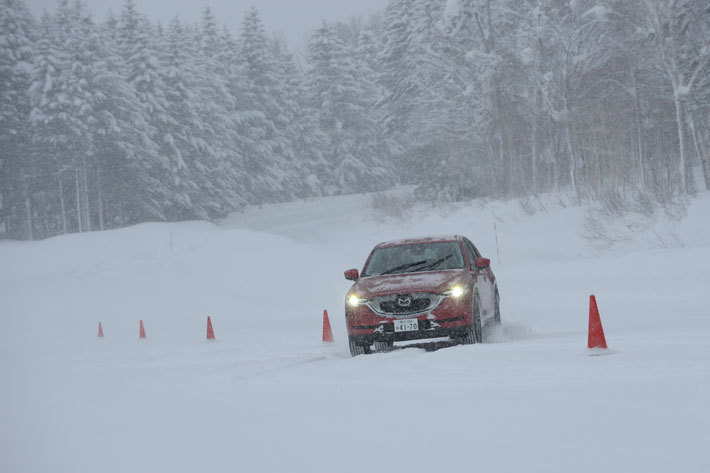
(474, 334)
(496, 309)
(468, 338)
(356, 349)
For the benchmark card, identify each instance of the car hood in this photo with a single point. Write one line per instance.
(430, 281)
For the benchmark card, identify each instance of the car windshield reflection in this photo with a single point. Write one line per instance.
(414, 258)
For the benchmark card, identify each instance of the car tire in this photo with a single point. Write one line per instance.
(474, 333)
(496, 308)
(356, 349)
(468, 337)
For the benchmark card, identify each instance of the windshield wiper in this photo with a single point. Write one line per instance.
(435, 263)
(404, 266)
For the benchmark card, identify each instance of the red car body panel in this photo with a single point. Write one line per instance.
(430, 281)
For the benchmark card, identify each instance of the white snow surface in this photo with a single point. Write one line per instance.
(268, 396)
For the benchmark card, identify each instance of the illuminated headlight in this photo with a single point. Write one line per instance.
(354, 300)
(456, 291)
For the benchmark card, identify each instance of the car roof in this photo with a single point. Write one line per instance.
(413, 241)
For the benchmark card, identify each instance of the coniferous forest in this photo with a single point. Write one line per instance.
(114, 121)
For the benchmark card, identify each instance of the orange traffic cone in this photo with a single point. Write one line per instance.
(142, 333)
(327, 332)
(210, 332)
(101, 331)
(596, 332)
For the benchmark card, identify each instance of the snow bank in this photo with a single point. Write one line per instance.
(268, 396)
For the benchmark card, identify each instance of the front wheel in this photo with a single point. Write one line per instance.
(474, 333)
(496, 309)
(356, 349)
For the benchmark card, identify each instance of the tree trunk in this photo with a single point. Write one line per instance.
(681, 140)
(28, 211)
(533, 164)
(491, 166)
(99, 193)
(699, 150)
(78, 201)
(501, 161)
(571, 159)
(706, 165)
(45, 213)
(513, 181)
(555, 146)
(101, 207)
(599, 176)
(639, 145)
(85, 195)
(62, 205)
(121, 211)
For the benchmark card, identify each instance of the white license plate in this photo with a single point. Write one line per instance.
(406, 325)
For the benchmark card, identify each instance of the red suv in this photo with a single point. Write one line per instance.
(421, 288)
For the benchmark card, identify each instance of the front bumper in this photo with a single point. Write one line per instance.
(451, 318)
(385, 332)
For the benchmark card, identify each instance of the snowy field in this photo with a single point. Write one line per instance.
(268, 396)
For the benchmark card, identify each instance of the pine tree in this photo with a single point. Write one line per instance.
(264, 142)
(305, 141)
(239, 119)
(397, 78)
(193, 146)
(216, 107)
(17, 37)
(346, 102)
(62, 109)
(138, 48)
(125, 150)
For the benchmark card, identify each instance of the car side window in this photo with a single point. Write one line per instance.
(475, 250)
(472, 252)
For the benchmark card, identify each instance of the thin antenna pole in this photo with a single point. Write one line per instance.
(495, 231)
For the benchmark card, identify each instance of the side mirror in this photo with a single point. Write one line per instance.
(482, 263)
(352, 275)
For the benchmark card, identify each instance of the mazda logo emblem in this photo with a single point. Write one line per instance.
(404, 301)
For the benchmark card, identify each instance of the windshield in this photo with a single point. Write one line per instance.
(415, 258)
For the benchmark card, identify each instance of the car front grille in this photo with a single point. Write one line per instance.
(396, 305)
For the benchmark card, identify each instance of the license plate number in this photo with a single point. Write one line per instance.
(406, 325)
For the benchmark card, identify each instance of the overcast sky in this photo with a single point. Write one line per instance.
(295, 19)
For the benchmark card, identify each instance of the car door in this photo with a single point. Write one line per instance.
(485, 282)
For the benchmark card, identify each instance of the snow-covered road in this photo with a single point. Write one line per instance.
(267, 395)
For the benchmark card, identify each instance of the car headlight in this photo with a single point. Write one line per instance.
(456, 291)
(354, 300)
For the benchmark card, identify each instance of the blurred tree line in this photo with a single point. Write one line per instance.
(108, 124)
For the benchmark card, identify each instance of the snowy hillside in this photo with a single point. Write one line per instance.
(267, 395)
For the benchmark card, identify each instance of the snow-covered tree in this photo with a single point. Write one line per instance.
(396, 76)
(681, 31)
(128, 121)
(17, 36)
(260, 103)
(346, 101)
(63, 112)
(305, 142)
(137, 44)
(217, 107)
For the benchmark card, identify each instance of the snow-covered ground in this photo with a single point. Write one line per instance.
(267, 395)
